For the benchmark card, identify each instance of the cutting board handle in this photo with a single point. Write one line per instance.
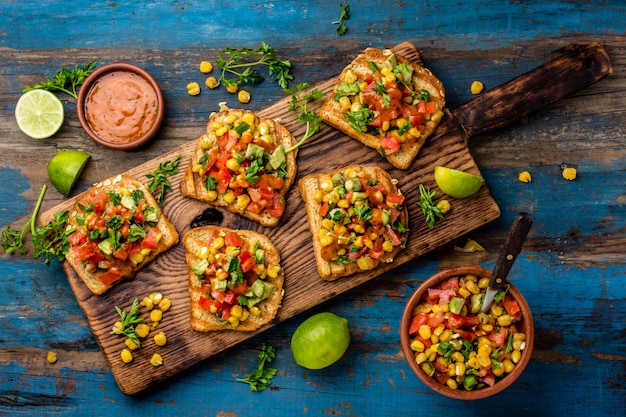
(576, 67)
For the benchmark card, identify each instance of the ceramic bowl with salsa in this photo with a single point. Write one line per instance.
(120, 106)
(454, 348)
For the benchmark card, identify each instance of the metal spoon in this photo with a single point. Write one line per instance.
(512, 247)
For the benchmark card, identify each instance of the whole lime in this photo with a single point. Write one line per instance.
(320, 340)
(65, 168)
(457, 184)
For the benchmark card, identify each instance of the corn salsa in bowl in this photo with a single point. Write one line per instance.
(454, 348)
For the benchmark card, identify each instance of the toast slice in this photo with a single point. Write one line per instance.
(357, 219)
(376, 96)
(235, 279)
(240, 164)
(119, 228)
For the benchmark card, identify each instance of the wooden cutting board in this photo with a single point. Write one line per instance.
(328, 150)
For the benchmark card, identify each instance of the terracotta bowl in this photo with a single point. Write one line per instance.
(120, 106)
(527, 327)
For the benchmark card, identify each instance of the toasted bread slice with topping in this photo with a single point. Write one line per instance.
(357, 219)
(388, 103)
(119, 228)
(235, 279)
(240, 164)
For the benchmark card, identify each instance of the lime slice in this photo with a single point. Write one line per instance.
(39, 114)
(320, 341)
(457, 184)
(65, 168)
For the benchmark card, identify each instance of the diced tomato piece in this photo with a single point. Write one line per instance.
(397, 199)
(230, 297)
(324, 207)
(450, 284)
(417, 321)
(109, 277)
(233, 239)
(356, 255)
(395, 237)
(223, 180)
(470, 321)
(121, 252)
(98, 199)
(436, 319)
(278, 205)
(256, 206)
(439, 296)
(441, 367)
(218, 295)
(454, 321)
(499, 338)
(240, 288)
(512, 307)
(441, 376)
(152, 238)
(138, 216)
(255, 194)
(467, 335)
(205, 303)
(421, 107)
(227, 142)
(270, 181)
(247, 261)
(390, 144)
(77, 238)
(377, 251)
(226, 310)
(87, 252)
(431, 107)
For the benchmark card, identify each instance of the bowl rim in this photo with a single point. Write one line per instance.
(500, 385)
(86, 87)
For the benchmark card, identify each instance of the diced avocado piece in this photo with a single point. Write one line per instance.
(254, 151)
(128, 202)
(338, 179)
(353, 185)
(277, 157)
(359, 195)
(476, 302)
(152, 214)
(259, 256)
(200, 266)
(455, 305)
(218, 284)
(269, 289)
(106, 247)
(258, 288)
(386, 217)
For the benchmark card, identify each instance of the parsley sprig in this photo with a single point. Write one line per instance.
(299, 103)
(344, 15)
(49, 241)
(241, 66)
(261, 377)
(428, 206)
(160, 184)
(129, 320)
(66, 79)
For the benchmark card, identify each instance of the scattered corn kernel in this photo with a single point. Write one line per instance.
(211, 82)
(131, 344)
(524, 176)
(156, 360)
(117, 327)
(444, 205)
(206, 67)
(232, 88)
(569, 173)
(142, 330)
(156, 315)
(477, 87)
(126, 356)
(160, 339)
(243, 96)
(193, 89)
(51, 357)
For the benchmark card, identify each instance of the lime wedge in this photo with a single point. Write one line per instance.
(457, 184)
(65, 168)
(39, 114)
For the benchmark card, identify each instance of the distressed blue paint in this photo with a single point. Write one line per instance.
(13, 205)
(206, 23)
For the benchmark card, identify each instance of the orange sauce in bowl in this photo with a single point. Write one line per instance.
(121, 107)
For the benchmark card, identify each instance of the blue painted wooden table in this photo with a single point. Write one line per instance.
(571, 270)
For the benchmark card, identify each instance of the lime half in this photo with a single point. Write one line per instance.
(65, 168)
(39, 114)
(320, 341)
(457, 184)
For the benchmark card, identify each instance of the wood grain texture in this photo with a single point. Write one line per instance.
(304, 288)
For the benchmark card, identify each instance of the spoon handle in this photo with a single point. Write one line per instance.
(512, 247)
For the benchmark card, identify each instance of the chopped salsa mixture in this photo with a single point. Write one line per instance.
(458, 345)
(360, 219)
(115, 231)
(245, 165)
(236, 277)
(387, 104)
